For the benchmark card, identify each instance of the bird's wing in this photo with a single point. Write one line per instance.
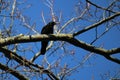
(44, 30)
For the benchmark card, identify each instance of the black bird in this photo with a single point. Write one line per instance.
(47, 29)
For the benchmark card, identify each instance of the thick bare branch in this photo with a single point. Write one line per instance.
(13, 72)
(100, 51)
(61, 37)
(113, 59)
(12, 55)
(33, 38)
(97, 24)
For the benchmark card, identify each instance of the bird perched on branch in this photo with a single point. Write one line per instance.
(47, 29)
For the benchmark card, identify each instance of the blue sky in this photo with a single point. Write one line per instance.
(94, 68)
(97, 65)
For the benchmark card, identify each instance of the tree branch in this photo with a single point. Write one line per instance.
(112, 59)
(100, 7)
(13, 72)
(33, 38)
(12, 55)
(100, 51)
(97, 24)
(61, 37)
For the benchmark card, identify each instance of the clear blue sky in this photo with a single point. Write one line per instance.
(97, 65)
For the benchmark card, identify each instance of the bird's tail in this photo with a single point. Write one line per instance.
(43, 50)
(43, 47)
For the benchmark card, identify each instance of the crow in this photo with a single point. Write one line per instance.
(47, 29)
